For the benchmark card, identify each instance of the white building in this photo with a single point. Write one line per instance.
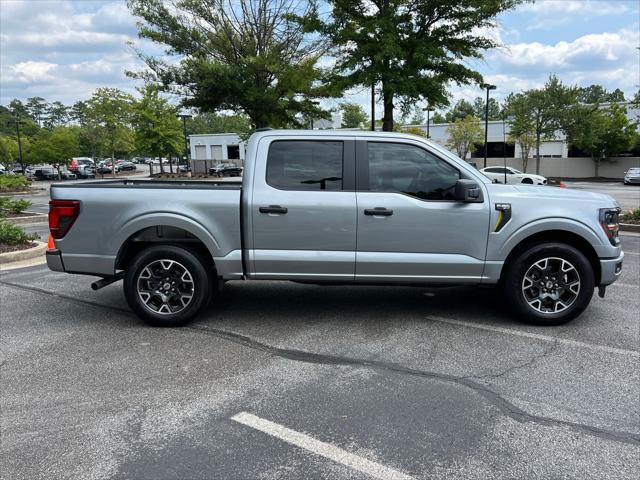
(217, 147)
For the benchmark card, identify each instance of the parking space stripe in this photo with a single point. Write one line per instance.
(318, 447)
(537, 336)
(628, 285)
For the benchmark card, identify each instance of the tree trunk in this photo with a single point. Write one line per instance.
(161, 166)
(387, 99)
(170, 165)
(597, 166)
(525, 161)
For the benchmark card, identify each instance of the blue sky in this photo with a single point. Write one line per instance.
(63, 50)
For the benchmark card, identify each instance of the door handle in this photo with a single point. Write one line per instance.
(378, 211)
(274, 209)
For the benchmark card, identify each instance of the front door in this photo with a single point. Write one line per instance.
(304, 215)
(410, 228)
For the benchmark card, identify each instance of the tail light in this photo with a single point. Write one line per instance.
(609, 223)
(62, 215)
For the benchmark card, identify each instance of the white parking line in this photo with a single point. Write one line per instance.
(318, 447)
(628, 285)
(538, 336)
(631, 253)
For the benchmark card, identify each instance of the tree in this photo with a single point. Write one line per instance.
(598, 94)
(157, 128)
(8, 151)
(246, 55)
(353, 115)
(549, 109)
(55, 146)
(602, 132)
(521, 125)
(37, 109)
(464, 134)
(480, 105)
(109, 112)
(418, 117)
(437, 117)
(411, 48)
(462, 109)
(56, 114)
(212, 122)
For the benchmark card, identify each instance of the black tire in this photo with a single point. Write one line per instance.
(527, 181)
(515, 293)
(195, 282)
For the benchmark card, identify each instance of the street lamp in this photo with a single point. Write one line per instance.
(17, 121)
(488, 87)
(184, 117)
(317, 104)
(428, 110)
(373, 107)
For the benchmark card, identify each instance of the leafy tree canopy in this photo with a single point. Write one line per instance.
(411, 48)
(243, 55)
(463, 134)
(353, 115)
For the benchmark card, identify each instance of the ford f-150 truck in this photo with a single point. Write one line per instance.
(338, 207)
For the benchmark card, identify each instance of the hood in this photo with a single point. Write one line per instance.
(547, 192)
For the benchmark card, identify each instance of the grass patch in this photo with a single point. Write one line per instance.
(631, 216)
(14, 183)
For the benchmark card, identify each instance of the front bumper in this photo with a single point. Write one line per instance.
(610, 269)
(54, 260)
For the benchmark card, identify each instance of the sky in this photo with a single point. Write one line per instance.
(64, 50)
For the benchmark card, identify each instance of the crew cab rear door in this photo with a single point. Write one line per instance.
(410, 227)
(304, 209)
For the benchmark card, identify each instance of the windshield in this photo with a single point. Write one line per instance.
(515, 171)
(634, 170)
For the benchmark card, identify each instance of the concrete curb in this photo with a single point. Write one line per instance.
(630, 227)
(11, 194)
(37, 218)
(20, 255)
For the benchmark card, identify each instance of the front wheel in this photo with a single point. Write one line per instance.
(166, 286)
(549, 284)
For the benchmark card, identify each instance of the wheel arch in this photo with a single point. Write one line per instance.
(172, 231)
(557, 236)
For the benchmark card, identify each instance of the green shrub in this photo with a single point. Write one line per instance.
(9, 205)
(13, 182)
(632, 216)
(14, 235)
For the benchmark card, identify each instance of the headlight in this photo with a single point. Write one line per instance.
(609, 223)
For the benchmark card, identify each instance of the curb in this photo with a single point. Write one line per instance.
(20, 255)
(630, 227)
(37, 218)
(11, 194)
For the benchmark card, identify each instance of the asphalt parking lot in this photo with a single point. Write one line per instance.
(280, 380)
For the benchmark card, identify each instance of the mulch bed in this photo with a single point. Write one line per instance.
(22, 214)
(4, 248)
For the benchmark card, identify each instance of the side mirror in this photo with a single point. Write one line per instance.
(468, 191)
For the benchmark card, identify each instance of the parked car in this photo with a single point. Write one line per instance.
(83, 167)
(632, 176)
(67, 175)
(45, 173)
(104, 169)
(125, 167)
(225, 170)
(513, 176)
(365, 208)
(184, 168)
(28, 171)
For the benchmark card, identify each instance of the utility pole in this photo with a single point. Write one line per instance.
(428, 110)
(486, 119)
(17, 121)
(373, 107)
(184, 117)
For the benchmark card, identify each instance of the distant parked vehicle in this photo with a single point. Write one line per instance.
(67, 175)
(226, 170)
(184, 168)
(83, 167)
(28, 171)
(45, 173)
(632, 176)
(513, 176)
(104, 169)
(125, 167)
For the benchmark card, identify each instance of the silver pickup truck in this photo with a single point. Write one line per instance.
(338, 207)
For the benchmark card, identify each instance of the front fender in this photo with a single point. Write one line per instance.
(499, 250)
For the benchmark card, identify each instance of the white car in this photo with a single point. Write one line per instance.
(513, 176)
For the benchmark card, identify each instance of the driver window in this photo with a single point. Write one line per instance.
(396, 167)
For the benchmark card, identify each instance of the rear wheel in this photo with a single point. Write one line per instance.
(527, 180)
(166, 286)
(549, 284)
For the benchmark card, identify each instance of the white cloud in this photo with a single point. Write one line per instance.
(32, 72)
(548, 14)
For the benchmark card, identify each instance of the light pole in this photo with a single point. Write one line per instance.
(428, 110)
(317, 104)
(373, 107)
(17, 121)
(488, 86)
(184, 117)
